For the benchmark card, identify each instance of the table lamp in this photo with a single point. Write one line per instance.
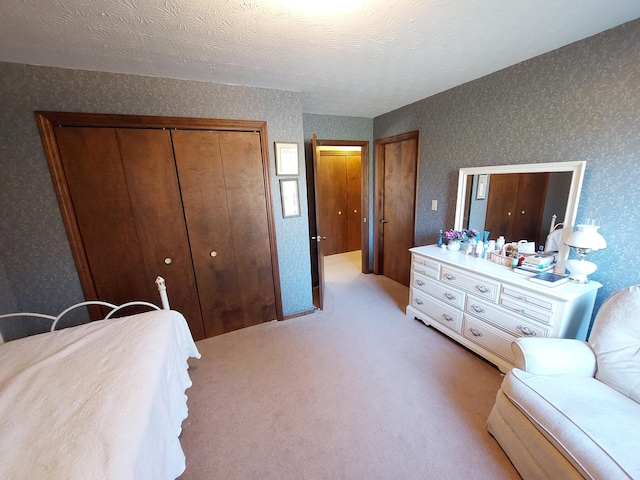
(584, 240)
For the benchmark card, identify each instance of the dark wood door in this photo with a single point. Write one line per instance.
(127, 203)
(339, 183)
(116, 181)
(501, 205)
(515, 205)
(354, 201)
(332, 201)
(396, 161)
(532, 191)
(318, 294)
(98, 189)
(223, 194)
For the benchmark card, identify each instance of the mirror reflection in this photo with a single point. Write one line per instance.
(522, 202)
(519, 206)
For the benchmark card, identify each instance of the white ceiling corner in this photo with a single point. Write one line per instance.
(364, 60)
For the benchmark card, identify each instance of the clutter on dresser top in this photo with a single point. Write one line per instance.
(522, 256)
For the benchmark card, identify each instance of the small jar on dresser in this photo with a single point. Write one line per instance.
(485, 306)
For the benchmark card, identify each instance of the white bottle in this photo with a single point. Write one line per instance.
(500, 243)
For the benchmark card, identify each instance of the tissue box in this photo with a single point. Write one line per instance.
(503, 260)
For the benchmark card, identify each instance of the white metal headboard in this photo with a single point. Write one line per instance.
(160, 284)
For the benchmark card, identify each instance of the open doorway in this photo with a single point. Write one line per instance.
(338, 180)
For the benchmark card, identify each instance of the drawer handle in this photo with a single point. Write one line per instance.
(517, 310)
(482, 288)
(423, 272)
(447, 317)
(449, 276)
(526, 331)
(420, 282)
(475, 333)
(421, 262)
(450, 296)
(419, 302)
(478, 309)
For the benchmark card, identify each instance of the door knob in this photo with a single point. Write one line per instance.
(167, 261)
(383, 221)
(355, 211)
(318, 238)
(213, 253)
(339, 213)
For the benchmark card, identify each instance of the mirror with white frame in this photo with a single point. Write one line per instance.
(527, 202)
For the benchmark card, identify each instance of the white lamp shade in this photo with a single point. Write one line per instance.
(586, 236)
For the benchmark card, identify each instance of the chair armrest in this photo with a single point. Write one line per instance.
(554, 356)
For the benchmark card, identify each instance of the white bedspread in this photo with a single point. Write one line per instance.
(101, 400)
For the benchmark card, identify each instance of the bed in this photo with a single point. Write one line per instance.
(105, 399)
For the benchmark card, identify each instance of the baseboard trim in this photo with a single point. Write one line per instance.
(298, 314)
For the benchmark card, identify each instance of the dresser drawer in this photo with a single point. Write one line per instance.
(497, 316)
(472, 284)
(443, 292)
(488, 337)
(438, 311)
(530, 305)
(527, 299)
(426, 267)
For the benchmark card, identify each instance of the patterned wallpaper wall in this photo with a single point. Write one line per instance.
(581, 102)
(35, 253)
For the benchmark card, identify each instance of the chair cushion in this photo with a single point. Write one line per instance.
(594, 426)
(615, 338)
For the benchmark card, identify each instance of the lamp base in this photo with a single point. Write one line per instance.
(579, 270)
(578, 279)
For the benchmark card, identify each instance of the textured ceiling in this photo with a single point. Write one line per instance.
(347, 57)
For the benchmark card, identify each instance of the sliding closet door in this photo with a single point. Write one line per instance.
(223, 194)
(147, 159)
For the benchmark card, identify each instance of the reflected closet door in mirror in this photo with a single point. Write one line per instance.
(520, 202)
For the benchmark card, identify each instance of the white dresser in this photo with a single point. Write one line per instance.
(485, 306)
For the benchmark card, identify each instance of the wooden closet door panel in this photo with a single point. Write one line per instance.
(354, 201)
(223, 193)
(98, 189)
(532, 191)
(147, 158)
(501, 205)
(202, 182)
(332, 173)
(249, 221)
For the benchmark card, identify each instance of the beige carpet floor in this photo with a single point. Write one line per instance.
(356, 391)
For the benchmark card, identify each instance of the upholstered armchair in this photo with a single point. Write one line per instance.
(570, 409)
